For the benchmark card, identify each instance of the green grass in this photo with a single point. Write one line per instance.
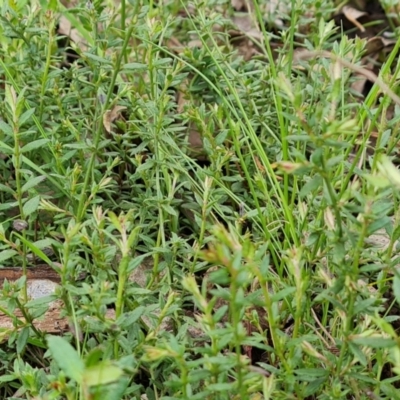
(251, 270)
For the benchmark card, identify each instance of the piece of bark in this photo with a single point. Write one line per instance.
(42, 271)
(50, 322)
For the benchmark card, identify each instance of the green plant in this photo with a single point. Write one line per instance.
(213, 220)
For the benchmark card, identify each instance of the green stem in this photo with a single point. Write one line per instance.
(46, 67)
(99, 130)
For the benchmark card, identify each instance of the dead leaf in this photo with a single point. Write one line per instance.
(352, 15)
(374, 45)
(175, 45)
(246, 24)
(110, 116)
(238, 5)
(195, 141)
(66, 29)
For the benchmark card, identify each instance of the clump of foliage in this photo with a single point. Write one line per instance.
(214, 220)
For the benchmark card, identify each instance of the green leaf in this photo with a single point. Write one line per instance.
(7, 189)
(135, 66)
(376, 342)
(219, 387)
(6, 128)
(31, 205)
(282, 294)
(22, 339)
(357, 352)
(389, 171)
(38, 252)
(101, 374)
(6, 254)
(94, 357)
(40, 171)
(115, 221)
(36, 144)
(136, 261)
(314, 386)
(116, 390)
(96, 58)
(66, 358)
(40, 301)
(130, 318)
(311, 186)
(133, 236)
(32, 183)
(309, 374)
(396, 287)
(7, 378)
(378, 224)
(25, 116)
(169, 209)
(5, 148)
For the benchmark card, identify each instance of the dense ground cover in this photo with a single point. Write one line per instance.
(214, 187)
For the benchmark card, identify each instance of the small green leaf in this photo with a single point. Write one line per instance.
(36, 144)
(311, 186)
(396, 287)
(133, 236)
(22, 339)
(169, 209)
(25, 116)
(357, 352)
(4, 127)
(101, 374)
(36, 250)
(7, 378)
(136, 261)
(282, 294)
(115, 221)
(128, 319)
(6, 254)
(96, 58)
(7, 189)
(40, 301)
(379, 223)
(66, 357)
(135, 66)
(94, 357)
(309, 374)
(376, 342)
(31, 205)
(32, 183)
(389, 171)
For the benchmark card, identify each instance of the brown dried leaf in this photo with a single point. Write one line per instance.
(175, 45)
(65, 28)
(238, 5)
(352, 15)
(195, 140)
(110, 116)
(374, 45)
(246, 24)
